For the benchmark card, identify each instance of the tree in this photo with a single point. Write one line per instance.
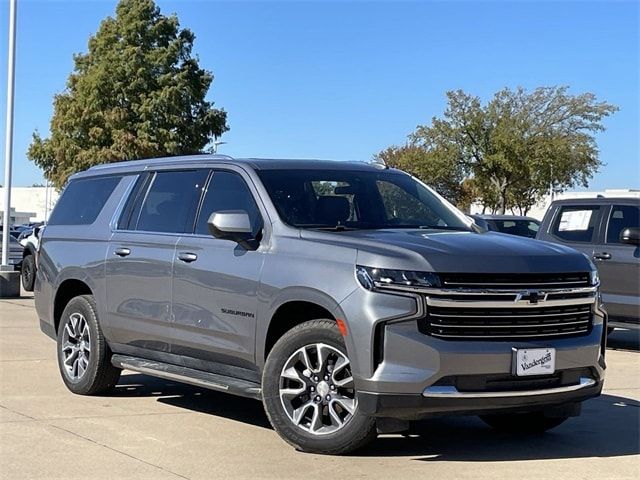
(138, 92)
(434, 167)
(516, 146)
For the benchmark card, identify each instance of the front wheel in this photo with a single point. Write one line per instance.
(309, 393)
(532, 422)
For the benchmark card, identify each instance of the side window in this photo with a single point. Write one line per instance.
(171, 202)
(131, 208)
(228, 191)
(622, 216)
(576, 223)
(82, 201)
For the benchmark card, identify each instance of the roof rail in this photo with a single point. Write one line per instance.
(177, 158)
(378, 162)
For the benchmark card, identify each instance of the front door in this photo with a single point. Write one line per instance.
(215, 282)
(578, 226)
(619, 264)
(141, 256)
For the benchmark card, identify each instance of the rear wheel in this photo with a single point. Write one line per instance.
(532, 422)
(84, 358)
(309, 393)
(28, 273)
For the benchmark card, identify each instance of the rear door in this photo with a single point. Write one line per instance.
(619, 263)
(141, 255)
(215, 281)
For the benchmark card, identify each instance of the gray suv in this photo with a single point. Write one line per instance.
(608, 231)
(349, 298)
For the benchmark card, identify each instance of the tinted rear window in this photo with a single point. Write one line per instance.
(82, 201)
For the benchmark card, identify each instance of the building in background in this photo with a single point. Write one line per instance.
(538, 210)
(30, 204)
(17, 217)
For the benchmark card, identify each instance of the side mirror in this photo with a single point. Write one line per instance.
(630, 236)
(231, 225)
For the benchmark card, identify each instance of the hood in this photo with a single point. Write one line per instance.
(452, 251)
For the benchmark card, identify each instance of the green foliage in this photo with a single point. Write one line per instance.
(511, 150)
(137, 93)
(435, 167)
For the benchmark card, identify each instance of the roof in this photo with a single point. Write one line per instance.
(205, 160)
(596, 201)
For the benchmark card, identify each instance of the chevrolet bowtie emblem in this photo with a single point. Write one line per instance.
(533, 296)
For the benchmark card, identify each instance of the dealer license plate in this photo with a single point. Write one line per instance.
(534, 361)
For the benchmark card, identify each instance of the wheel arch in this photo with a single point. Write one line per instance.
(291, 308)
(68, 289)
(28, 250)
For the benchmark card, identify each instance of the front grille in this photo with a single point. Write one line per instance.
(503, 307)
(507, 322)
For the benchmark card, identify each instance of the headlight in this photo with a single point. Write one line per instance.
(372, 278)
(594, 278)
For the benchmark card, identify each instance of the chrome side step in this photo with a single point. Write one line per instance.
(191, 376)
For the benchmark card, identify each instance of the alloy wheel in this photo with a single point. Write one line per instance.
(76, 346)
(317, 390)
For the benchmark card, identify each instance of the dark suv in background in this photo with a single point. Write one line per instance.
(510, 224)
(607, 230)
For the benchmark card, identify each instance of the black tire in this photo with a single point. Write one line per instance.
(28, 272)
(533, 422)
(100, 375)
(359, 430)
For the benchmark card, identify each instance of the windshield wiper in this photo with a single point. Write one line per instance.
(335, 228)
(424, 227)
(328, 228)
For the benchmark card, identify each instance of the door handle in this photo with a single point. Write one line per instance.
(122, 251)
(602, 256)
(187, 257)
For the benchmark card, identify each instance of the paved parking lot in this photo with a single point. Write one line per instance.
(150, 428)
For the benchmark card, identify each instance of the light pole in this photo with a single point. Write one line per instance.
(9, 134)
(216, 144)
(9, 279)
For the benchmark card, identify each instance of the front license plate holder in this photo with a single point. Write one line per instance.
(533, 361)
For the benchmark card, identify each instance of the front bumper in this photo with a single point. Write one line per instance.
(416, 407)
(399, 373)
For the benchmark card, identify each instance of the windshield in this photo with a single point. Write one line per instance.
(352, 199)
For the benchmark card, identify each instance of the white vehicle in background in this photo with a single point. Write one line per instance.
(30, 240)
